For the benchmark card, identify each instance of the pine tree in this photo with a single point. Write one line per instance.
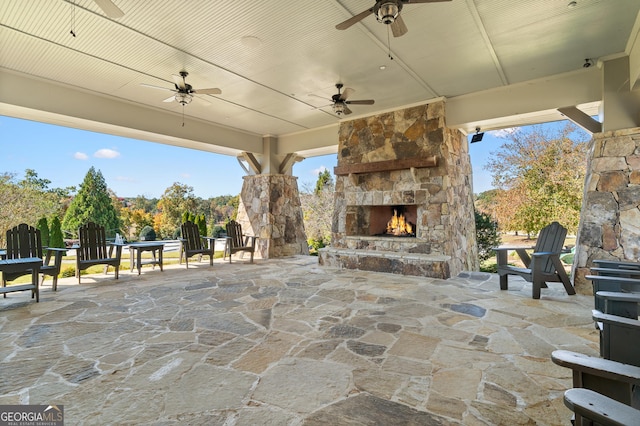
(56, 240)
(92, 204)
(43, 226)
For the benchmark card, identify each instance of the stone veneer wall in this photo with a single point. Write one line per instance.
(270, 208)
(446, 223)
(610, 215)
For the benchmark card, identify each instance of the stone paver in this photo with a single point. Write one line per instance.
(288, 342)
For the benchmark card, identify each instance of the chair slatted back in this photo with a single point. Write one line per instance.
(191, 236)
(23, 241)
(551, 239)
(234, 232)
(93, 242)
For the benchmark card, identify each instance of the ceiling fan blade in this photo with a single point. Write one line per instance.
(362, 102)
(398, 27)
(354, 19)
(346, 110)
(156, 87)
(109, 9)
(170, 99)
(348, 91)
(179, 81)
(210, 91)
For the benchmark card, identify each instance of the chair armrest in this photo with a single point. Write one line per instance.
(599, 408)
(596, 366)
(615, 320)
(619, 296)
(512, 248)
(615, 272)
(617, 264)
(546, 254)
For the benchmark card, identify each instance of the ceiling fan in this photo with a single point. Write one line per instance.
(109, 8)
(183, 92)
(340, 101)
(387, 12)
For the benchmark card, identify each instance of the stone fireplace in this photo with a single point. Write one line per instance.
(403, 166)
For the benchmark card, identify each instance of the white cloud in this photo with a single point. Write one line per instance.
(80, 156)
(125, 179)
(504, 133)
(319, 170)
(185, 175)
(106, 153)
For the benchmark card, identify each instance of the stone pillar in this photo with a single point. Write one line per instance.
(610, 217)
(270, 208)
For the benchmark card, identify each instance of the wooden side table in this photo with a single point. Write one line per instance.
(136, 250)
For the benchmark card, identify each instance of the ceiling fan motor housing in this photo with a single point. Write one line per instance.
(387, 11)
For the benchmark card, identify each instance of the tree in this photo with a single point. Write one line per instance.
(176, 199)
(56, 240)
(539, 175)
(317, 210)
(93, 203)
(43, 226)
(487, 236)
(324, 181)
(25, 201)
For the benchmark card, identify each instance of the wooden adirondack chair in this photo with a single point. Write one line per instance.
(95, 250)
(192, 243)
(237, 241)
(543, 266)
(614, 379)
(592, 408)
(24, 241)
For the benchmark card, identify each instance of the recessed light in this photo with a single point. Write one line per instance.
(383, 67)
(572, 4)
(251, 42)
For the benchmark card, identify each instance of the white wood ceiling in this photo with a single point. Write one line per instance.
(277, 86)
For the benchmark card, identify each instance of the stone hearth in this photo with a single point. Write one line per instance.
(404, 158)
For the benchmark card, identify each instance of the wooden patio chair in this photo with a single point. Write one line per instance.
(543, 266)
(592, 408)
(238, 242)
(192, 243)
(94, 249)
(24, 241)
(613, 379)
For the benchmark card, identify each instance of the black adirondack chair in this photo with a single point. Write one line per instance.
(543, 266)
(94, 249)
(25, 241)
(238, 242)
(192, 243)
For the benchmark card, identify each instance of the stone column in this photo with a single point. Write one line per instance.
(270, 208)
(610, 217)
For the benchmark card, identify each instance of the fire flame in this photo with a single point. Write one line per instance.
(398, 225)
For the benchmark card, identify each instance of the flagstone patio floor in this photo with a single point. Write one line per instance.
(288, 342)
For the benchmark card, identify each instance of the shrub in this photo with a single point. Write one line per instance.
(147, 234)
(69, 271)
(43, 226)
(486, 235)
(218, 231)
(315, 245)
(56, 239)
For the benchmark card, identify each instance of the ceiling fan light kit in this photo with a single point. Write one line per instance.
(387, 12)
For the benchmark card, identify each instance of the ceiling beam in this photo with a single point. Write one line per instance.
(581, 119)
(23, 97)
(573, 88)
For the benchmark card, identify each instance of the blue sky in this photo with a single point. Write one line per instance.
(133, 167)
